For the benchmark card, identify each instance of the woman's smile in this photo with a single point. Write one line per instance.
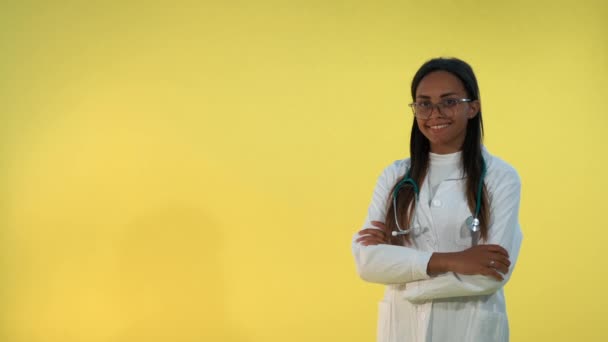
(438, 127)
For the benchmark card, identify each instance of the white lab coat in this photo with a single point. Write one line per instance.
(478, 301)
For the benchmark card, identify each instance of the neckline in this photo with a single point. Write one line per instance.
(449, 158)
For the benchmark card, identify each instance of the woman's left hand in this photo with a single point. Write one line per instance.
(373, 236)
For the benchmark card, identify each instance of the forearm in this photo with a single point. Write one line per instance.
(388, 264)
(439, 263)
(451, 285)
(446, 283)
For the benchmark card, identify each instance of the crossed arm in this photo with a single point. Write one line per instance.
(479, 270)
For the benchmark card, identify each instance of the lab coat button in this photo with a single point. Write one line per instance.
(436, 203)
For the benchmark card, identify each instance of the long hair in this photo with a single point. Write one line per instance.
(419, 155)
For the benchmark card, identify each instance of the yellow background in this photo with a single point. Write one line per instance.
(194, 171)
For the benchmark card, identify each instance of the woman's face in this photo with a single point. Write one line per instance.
(446, 131)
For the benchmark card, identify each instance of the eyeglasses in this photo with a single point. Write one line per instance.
(446, 107)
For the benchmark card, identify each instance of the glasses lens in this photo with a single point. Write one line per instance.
(448, 106)
(422, 110)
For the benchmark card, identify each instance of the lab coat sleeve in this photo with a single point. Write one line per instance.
(504, 231)
(387, 264)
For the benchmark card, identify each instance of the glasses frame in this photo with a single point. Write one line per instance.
(440, 107)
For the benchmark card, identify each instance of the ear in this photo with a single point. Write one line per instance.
(474, 108)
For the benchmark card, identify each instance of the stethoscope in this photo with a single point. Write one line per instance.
(472, 221)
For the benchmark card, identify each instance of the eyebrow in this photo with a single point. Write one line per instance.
(442, 95)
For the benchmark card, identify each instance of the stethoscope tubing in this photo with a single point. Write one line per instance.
(472, 221)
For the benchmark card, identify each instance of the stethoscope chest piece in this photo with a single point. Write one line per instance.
(472, 221)
(473, 224)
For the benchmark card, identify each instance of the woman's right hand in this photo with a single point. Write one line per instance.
(488, 260)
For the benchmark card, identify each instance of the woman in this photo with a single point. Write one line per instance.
(442, 230)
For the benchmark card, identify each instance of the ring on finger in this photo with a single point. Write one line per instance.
(492, 262)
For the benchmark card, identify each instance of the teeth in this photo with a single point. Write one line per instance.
(439, 126)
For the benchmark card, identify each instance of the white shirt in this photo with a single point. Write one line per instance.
(447, 307)
(441, 166)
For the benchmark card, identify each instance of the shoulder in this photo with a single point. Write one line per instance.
(499, 171)
(394, 171)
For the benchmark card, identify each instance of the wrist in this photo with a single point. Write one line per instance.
(439, 263)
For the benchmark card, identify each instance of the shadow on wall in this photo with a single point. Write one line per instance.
(171, 280)
(6, 271)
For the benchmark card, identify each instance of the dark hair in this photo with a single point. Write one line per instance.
(420, 148)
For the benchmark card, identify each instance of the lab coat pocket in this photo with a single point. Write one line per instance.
(384, 322)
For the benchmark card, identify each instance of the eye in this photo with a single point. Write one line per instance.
(449, 102)
(424, 105)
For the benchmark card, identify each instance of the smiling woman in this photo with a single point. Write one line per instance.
(458, 206)
(446, 129)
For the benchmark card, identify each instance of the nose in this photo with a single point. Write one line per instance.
(439, 112)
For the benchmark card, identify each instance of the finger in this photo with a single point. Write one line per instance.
(498, 261)
(494, 250)
(497, 249)
(500, 267)
(503, 269)
(491, 272)
(378, 224)
(374, 235)
(501, 259)
(372, 243)
(370, 238)
(372, 231)
(369, 241)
